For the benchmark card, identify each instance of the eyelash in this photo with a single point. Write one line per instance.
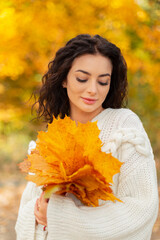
(80, 80)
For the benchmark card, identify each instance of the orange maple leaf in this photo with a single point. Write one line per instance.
(68, 158)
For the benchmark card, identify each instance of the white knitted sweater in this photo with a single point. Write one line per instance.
(122, 134)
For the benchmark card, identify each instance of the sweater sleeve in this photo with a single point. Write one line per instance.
(25, 225)
(26, 228)
(137, 188)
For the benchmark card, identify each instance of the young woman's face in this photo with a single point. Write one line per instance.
(88, 83)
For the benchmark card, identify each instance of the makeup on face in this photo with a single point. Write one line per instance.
(86, 75)
(87, 84)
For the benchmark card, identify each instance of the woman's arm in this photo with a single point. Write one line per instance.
(131, 220)
(26, 227)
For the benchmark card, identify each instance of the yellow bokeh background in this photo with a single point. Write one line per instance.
(33, 30)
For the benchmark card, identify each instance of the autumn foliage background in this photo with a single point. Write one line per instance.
(33, 30)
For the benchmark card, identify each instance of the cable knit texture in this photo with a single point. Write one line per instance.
(136, 185)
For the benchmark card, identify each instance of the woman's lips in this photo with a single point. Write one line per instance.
(89, 100)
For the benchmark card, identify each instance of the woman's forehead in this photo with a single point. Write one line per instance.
(90, 62)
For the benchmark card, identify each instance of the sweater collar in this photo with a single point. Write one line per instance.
(100, 115)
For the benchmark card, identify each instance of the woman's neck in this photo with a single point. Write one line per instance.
(84, 117)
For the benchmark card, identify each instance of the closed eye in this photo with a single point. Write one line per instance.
(84, 80)
(81, 80)
(103, 84)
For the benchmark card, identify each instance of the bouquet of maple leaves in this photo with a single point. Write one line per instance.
(68, 158)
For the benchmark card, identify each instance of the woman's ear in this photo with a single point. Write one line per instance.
(64, 84)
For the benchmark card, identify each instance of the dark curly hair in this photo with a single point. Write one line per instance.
(53, 99)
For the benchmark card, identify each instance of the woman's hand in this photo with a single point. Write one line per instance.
(40, 210)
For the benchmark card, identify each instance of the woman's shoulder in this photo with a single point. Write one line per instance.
(120, 118)
(121, 112)
(128, 119)
(124, 126)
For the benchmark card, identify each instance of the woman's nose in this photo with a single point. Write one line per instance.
(92, 87)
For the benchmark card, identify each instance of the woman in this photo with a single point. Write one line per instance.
(87, 80)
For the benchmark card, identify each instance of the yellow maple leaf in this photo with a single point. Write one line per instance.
(68, 158)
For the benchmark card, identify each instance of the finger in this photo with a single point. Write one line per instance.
(36, 205)
(36, 209)
(41, 212)
(46, 200)
(40, 219)
(38, 216)
(41, 196)
(44, 205)
(41, 222)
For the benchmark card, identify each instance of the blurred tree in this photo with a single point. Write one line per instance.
(32, 30)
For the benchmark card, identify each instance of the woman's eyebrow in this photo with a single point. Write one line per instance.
(102, 75)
